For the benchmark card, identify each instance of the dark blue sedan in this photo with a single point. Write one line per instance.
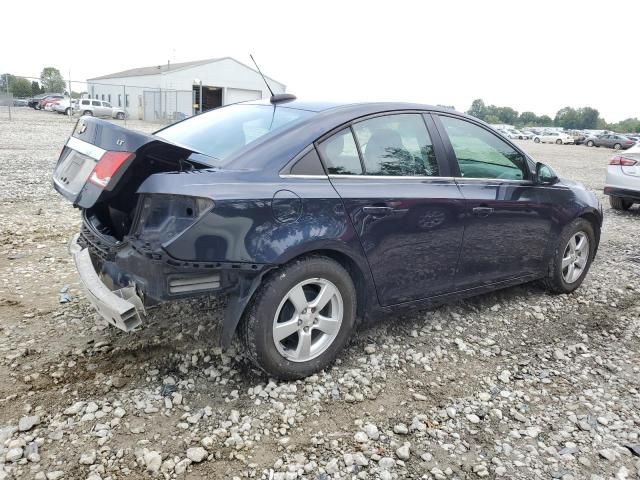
(313, 217)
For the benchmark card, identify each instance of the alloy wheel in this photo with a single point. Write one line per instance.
(575, 257)
(308, 320)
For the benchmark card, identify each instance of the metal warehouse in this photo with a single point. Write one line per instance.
(176, 90)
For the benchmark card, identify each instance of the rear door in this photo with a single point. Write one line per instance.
(508, 217)
(396, 185)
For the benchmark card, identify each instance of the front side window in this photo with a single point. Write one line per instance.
(106, 104)
(481, 154)
(396, 145)
(340, 154)
(95, 103)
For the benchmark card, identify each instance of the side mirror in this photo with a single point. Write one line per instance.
(544, 175)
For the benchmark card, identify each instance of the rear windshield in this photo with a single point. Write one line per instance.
(222, 132)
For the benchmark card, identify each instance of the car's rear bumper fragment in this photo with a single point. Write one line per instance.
(122, 308)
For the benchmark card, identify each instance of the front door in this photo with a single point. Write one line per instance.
(404, 205)
(508, 218)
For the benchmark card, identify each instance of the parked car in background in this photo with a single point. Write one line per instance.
(529, 133)
(44, 101)
(520, 135)
(99, 108)
(313, 217)
(35, 101)
(578, 137)
(611, 140)
(623, 180)
(64, 106)
(554, 137)
(20, 102)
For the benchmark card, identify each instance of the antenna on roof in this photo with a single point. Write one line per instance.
(261, 74)
(281, 97)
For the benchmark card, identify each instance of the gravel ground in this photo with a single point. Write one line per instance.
(515, 384)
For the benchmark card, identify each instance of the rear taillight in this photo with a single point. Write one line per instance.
(107, 167)
(625, 162)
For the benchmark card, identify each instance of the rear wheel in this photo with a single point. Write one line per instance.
(617, 146)
(558, 142)
(590, 143)
(120, 116)
(88, 112)
(572, 258)
(300, 318)
(537, 140)
(67, 111)
(620, 203)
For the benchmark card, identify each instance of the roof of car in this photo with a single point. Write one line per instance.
(322, 106)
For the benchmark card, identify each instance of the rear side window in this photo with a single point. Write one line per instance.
(396, 145)
(481, 154)
(340, 154)
(223, 131)
(85, 102)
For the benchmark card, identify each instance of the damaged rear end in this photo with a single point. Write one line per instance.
(119, 253)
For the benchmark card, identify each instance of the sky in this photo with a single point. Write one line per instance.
(535, 56)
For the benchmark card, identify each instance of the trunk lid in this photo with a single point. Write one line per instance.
(101, 159)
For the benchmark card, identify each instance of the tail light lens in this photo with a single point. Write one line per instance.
(622, 161)
(108, 166)
(164, 217)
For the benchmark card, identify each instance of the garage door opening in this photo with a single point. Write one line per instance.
(211, 98)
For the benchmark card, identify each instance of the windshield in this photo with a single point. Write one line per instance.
(222, 132)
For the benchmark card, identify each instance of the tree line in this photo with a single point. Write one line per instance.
(585, 118)
(51, 81)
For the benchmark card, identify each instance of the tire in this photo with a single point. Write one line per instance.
(617, 146)
(590, 143)
(536, 140)
(558, 142)
(559, 279)
(88, 112)
(67, 111)
(619, 203)
(272, 306)
(120, 116)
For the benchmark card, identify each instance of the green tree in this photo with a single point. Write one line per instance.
(492, 119)
(545, 121)
(507, 115)
(588, 117)
(527, 118)
(35, 88)
(20, 87)
(478, 109)
(52, 80)
(5, 78)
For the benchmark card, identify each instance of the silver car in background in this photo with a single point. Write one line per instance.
(99, 108)
(623, 179)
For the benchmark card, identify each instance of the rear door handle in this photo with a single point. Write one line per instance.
(482, 211)
(377, 211)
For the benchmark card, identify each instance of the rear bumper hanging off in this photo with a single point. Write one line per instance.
(122, 308)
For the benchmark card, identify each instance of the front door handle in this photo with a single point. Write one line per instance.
(377, 211)
(482, 211)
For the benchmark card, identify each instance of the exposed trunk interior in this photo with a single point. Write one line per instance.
(114, 213)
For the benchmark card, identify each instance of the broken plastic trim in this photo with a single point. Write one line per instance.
(122, 308)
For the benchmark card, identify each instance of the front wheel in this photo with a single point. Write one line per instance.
(88, 112)
(558, 142)
(536, 140)
(300, 318)
(619, 203)
(120, 116)
(572, 258)
(617, 146)
(590, 143)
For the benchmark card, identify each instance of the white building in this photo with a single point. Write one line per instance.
(172, 91)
